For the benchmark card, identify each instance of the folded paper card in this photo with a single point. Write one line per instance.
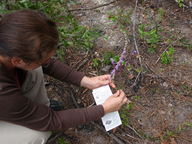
(110, 120)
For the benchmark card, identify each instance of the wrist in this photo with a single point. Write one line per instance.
(105, 108)
(84, 82)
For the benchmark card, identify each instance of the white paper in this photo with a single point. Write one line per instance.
(110, 120)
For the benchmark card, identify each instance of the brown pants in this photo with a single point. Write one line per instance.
(34, 89)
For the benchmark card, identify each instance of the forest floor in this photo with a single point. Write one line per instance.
(160, 87)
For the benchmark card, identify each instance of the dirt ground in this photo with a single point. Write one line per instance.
(161, 94)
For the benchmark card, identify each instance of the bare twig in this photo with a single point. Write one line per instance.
(91, 105)
(126, 41)
(126, 140)
(124, 136)
(135, 41)
(99, 6)
(134, 131)
(83, 62)
(134, 33)
(186, 139)
(150, 69)
(131, 136)
(72, 93)
(166, 50)
(138, 75)
(110, 135)
(53, 139)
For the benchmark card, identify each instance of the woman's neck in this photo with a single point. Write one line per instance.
(5, 61)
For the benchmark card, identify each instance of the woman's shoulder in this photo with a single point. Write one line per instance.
(6, 75)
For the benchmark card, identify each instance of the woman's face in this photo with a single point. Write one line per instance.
(19, 63)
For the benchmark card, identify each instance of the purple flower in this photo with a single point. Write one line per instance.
(134, 52)
(119, 63)
(112, 61)
(127, 63)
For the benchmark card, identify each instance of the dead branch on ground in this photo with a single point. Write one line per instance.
(92, 8)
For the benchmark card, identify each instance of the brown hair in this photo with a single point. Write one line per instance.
(27, 34)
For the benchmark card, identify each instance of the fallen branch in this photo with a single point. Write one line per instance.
(99, 6)
(138, 75)
(127, 141)
(124, 136)
(134, 131)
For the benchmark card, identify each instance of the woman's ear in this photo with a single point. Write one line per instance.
(17, 62)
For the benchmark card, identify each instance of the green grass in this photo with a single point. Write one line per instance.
(150, 37)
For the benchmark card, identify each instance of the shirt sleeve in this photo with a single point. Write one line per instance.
(62, 72)
(21, 111)
(18, 109)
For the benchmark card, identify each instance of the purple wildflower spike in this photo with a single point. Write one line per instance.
(119, 64)
(112, 61)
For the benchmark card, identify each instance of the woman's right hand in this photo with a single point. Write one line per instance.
(114, 102)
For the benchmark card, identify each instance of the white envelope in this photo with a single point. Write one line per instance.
(110, 120)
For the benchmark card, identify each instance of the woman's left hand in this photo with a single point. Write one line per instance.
(98, 81)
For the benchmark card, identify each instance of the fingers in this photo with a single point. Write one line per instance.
(119, 93)
(108, 78)
(125, 100)
(112, 85)
(116, 94)
(123, 97)
(122, 94)
(101, 83)
(114, 102)
(105, 77)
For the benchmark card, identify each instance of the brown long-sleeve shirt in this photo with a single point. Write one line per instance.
(18, 109)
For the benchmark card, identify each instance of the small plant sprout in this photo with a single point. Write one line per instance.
(167, 56)
(180, 3)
